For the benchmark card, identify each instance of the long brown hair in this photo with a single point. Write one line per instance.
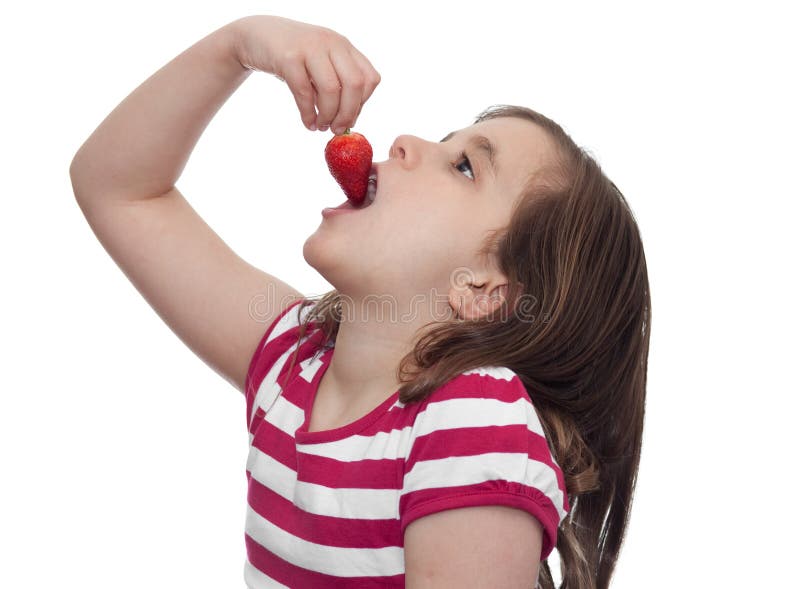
(575, 329)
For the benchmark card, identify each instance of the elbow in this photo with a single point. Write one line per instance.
(75, 177)
(85, 184)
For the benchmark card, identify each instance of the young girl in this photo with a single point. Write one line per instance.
(494, 415)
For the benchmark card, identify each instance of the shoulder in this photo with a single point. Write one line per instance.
(486, 396)
(479, 440)
(281, 338)
(286, 322)
(496, 382)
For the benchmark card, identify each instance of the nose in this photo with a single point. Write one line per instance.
(408, 149)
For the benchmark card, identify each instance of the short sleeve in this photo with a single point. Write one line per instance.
(269, 357)
(479, 441)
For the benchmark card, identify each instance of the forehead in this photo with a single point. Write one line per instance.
(520, 146)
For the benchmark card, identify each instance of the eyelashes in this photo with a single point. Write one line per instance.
(462, 157)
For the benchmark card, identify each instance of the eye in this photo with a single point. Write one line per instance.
(464, 159)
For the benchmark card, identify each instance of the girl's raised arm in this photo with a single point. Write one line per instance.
(124, 178)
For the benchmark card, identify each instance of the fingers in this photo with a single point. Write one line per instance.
(367, 75)
(299, 83)
(350, 98)
(338, 82)
(327, 86)
(371, 76)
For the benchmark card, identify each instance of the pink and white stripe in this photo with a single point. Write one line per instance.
(329, 509)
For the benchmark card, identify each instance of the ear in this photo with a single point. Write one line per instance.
(481, 299)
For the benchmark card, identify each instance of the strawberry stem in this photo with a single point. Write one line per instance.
(346, 131)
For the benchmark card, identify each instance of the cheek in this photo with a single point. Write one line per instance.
(433, 238)
(415, 220)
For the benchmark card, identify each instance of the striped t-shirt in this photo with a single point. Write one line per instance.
(329, 508)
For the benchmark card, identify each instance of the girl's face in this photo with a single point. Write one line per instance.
(432, 211)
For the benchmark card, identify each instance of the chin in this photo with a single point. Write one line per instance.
(323, 254)
(334, 261)
(314, 250)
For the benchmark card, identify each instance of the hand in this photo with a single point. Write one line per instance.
(320, 66)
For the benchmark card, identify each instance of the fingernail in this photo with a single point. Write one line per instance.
(323, 128)
(313, 126)
(339, 130)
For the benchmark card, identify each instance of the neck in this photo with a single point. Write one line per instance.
(371, 341)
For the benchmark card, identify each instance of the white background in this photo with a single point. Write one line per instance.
(123, 455)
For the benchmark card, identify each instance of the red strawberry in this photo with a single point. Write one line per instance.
(349, 158)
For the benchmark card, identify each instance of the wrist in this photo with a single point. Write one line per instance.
(233, 39)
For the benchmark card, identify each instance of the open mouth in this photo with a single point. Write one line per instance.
(372, 188)
(372, 193)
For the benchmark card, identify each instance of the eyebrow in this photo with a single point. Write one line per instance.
(482, 143)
